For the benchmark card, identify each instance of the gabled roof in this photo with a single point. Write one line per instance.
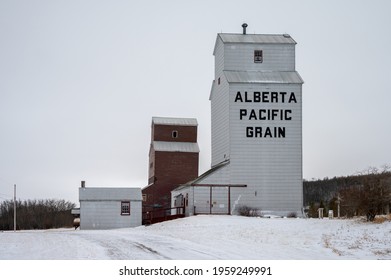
(227, 38)
(185, 147)
(175, 121)
(257, 38)
(278, 77)
(109, 193)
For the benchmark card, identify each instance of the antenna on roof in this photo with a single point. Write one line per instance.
(244, 25)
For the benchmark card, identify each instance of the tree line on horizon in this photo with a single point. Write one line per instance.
(367, 193)
(36, 214)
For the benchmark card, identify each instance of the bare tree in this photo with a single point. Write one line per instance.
(350, 200)
(37, 214)
(371, 197)
(376, 194)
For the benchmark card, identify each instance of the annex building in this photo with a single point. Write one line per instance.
(173, 160)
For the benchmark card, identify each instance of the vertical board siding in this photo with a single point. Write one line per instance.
(201, 200)
(219, 200)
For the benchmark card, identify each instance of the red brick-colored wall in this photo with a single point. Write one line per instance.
(164, 133)
(170, 170)
(175, 167)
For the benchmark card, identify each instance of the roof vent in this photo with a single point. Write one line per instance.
(287, 35)
(244, 25)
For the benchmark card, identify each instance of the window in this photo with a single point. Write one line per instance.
(125, 207)
(258, 56)
(175, 134)
(218, 81)
(144, 197)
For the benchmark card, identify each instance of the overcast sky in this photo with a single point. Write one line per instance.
(81, 80)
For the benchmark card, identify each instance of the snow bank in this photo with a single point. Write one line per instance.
(208, 237)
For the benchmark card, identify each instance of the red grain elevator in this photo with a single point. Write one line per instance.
(173, 159)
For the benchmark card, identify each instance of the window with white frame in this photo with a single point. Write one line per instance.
(258, 56)
(125, 207)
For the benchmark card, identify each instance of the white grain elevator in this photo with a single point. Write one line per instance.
(256, 111)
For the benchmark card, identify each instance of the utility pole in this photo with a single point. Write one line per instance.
(339, 205)
(15, 208)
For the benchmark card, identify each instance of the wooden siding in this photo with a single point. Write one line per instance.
(276, 57)
(184, 133)
(219, 59)
(171, 170)
(220, 110)
(172, 160)
(100, 208)
(107, 215)
(271, 167)
(204, 200)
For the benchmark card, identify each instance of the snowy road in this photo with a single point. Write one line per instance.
(208, 237)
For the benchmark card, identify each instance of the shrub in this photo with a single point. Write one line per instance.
(292, 215)
(36, 214)
(247, 211)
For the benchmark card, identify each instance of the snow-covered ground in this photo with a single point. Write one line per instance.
(208, 237)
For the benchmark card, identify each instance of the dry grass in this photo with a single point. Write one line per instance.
(327, 244)
(382, 219)
(382, 252)
(326, 241)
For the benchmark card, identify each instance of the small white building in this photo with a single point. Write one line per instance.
(108, 208)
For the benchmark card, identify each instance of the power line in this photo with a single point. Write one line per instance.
(6, 184)
(6, 181)
(4, 194)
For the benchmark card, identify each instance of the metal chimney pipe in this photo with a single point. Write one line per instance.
(244, 25)
(83, 184)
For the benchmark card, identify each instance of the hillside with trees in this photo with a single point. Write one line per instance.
(367, 193)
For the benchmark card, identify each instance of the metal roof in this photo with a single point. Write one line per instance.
(175, 121)
(273, 77)
(209, 172)
(109, 193)
(204, 175)
(257, 38)
(186, 147)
